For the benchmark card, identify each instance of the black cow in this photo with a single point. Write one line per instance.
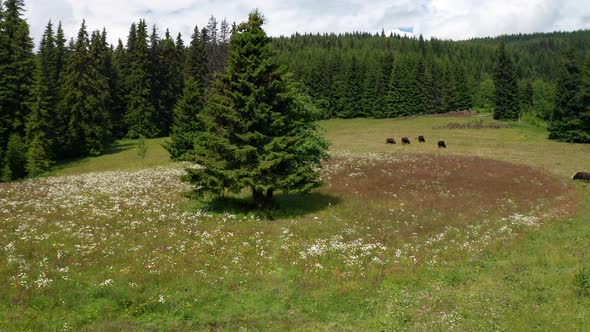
(421, 139)
(441, 144)
(390, 141)
(405, 140)
(584, 176)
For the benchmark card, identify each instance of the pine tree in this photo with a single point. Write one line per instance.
(196, 61)
(40, 126)
(142, 116)
(570, 117)
(434, 87)
(60, 52)
(506, 98)
(403, 97)
(38, 159)
(85, 98)
(187, 126)
(171, 81)
(118, 91)
(187, 123)
(374, 88)
(447, 89)
(353, 91)
(17, 67)
(103, 76)
(259, 133)
(584, 97)
(14, 158)
(422, 93)
(462, 95)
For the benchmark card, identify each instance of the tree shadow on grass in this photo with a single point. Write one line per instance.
(118, 147)
(285, 206)
(114, 148)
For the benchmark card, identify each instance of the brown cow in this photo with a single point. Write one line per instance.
(390, 141)
(441, 144)
(421, 139)
(405, 140)
(584, 176)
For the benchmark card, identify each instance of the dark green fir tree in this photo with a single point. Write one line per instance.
(506, 88)
(142, 116)
(259, 133)
(570, 116)
(17, 66)
(85, 98)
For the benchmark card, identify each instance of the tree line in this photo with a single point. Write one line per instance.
(379, 75)
(73, 97)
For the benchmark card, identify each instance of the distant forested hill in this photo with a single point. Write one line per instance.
(361, 74)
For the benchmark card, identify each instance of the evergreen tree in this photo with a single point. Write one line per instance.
(259, 133)
(85, 98)
(570, 117)
(403, 97)
(461, 98)
(187, 123)
(142, 116)
(171, 81)
(17, 67)
(40, 126)
(118, 91)
(103, 76)
(38, 159)
(434, 87)
(14, 158)
(60, 53)
(422, 93)
(54, 67)
(506, 98)
(353, 92)
(447, 89)
(196, 61)
(374, 88)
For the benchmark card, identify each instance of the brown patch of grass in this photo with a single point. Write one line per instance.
(457, 187)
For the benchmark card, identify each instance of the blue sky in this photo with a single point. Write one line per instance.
(454, 19)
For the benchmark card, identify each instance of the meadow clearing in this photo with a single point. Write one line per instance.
(489, 234)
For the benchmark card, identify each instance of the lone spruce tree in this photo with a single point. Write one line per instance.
(259, 132)
(506, 97)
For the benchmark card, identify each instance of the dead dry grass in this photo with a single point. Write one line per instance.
(459, 187)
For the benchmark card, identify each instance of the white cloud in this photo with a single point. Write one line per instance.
(456, 19)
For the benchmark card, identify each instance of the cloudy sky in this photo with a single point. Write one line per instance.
(455, 19)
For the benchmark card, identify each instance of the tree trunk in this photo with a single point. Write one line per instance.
(258, 197)
(261, 199)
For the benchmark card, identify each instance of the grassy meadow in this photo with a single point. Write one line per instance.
(489, 234)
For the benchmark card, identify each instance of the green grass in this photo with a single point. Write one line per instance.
(173, 268)
(122, 155)
(523, 144)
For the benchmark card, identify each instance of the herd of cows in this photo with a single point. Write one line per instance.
(421, 139)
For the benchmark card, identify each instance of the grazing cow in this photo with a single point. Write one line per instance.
(390, 141)
(441, 144)
(584, 176)
(405, 140)
(421, 139)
